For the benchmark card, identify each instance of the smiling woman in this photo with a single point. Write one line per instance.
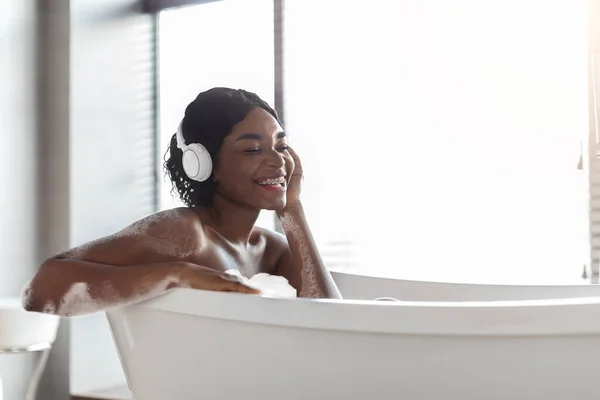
(239, 142)
(255, 170)
(231, 151)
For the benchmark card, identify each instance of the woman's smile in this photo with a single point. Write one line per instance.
(272, 183)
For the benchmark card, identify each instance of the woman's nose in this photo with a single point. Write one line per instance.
(275, 159)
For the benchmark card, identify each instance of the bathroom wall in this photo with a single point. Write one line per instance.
(18, 167)
(112, 152)
(77, 159)
(18, 119)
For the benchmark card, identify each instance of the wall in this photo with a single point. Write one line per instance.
(77, 159)
(18, 119)
(18, 181)
(112, 152)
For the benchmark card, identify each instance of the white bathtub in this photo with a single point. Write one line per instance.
(190, 344)
(363, 287)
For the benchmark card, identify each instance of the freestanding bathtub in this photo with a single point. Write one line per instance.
(365, 287)
(188, 344)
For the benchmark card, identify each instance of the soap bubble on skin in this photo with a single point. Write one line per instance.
(79, 301)
(269, 285)
(310, 286)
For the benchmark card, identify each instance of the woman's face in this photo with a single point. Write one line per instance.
(253, 164)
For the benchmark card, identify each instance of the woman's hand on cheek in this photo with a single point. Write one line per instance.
(294, 183)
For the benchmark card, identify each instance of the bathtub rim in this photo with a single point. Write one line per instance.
(458, 284)
(552, 317)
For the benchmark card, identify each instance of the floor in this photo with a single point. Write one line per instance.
(116, 393)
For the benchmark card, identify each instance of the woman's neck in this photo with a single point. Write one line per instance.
(232, 221)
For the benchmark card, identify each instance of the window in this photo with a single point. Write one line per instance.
(224, 43)
(441, 138)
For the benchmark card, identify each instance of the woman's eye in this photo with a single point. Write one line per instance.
(281, 148)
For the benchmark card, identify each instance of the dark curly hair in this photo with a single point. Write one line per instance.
(208, 120)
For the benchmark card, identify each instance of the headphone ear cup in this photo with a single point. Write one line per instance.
(197, 162)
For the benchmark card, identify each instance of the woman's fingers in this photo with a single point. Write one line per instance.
(297, 162)
(235, 284)
(197, 277)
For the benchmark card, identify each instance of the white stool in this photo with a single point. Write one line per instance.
(25, 332)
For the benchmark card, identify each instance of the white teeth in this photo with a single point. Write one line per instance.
(273, 181)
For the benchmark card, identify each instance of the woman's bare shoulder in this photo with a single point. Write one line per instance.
(271, 235)
(182, 220)
(176, 232)
(170, 233)
(276, 243)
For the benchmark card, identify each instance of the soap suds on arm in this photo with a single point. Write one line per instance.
(306, 266)
(167, 234)
(137, 263)
(78, 300)
(85, 287)
(310, 284)
(270, 285)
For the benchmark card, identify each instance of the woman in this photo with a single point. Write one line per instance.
(250, 168)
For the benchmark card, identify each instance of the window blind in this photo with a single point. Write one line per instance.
(113, 119)
(593, 144)
(594, 206)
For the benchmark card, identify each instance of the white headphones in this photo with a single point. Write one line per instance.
(196, 160)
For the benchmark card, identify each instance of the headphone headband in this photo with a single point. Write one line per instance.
(179, 137)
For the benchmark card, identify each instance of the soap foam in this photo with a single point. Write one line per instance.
(26, 295)
(79, 301)
(310, 286)
(77, 252)
(173, 239)
(270, 285)
(49, 307)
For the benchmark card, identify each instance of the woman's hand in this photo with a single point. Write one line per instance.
(197, 277)
(294, 184)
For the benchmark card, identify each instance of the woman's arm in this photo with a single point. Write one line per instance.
(120, 269)
(75, 287)
(302, 263)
